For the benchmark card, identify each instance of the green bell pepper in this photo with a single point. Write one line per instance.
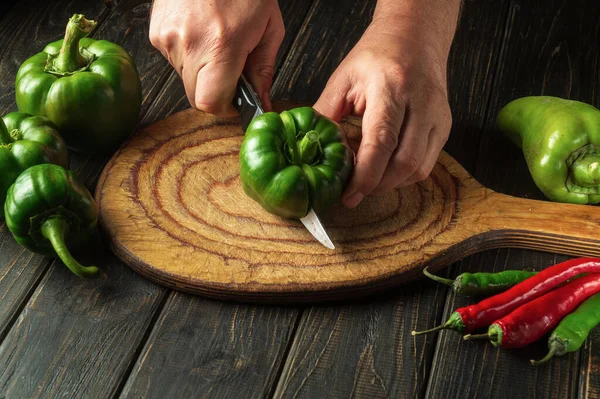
(89, 88)
(25, 141)
(295, 160)
(48, 210)
(561, 142)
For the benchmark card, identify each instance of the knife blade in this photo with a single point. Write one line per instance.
(247, 103)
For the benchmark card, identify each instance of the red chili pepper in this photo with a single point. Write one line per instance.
(533, 320)
(482, 314)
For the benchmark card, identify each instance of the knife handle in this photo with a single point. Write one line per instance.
(246, 102)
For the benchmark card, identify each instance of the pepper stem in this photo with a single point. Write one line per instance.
(454, 323)
(585, 170)
(549, 356)
(439, 279)
(309, 147)
(290, 134)
(470, 337)
(55, 229)
(69, 59)
(5, 137)
(437, 328)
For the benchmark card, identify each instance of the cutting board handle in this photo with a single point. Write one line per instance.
(539, 225)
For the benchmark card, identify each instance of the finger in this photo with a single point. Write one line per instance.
(381, 126)
(427, 164)
(210, 86)
(333, 100)
(260, 65)
(437, 140)
(409, 155)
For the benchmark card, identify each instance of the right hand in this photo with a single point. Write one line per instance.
(210, 43)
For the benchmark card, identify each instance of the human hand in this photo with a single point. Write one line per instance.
(210, 43)
(395, 78)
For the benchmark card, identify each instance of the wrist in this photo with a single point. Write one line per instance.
(434, 21)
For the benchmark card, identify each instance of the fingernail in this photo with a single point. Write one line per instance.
(353, 199)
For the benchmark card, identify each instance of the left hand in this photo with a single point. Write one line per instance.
(395, 78)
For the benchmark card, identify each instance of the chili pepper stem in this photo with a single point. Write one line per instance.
(494, 334)
(54, 229)
(454, 323)
(439, 279)
(437, 328)
(69, 58)
(470, 337)
(549, 356)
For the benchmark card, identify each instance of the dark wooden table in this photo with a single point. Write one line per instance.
(123, 335)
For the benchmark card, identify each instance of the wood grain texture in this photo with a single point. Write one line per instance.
(589, 369)
(319, 368)
(77, 338)
(330, 30)
(202, 348)
(173, 208)
(363, 349)
(19, 272)
(24, 30)
(477, 369)
(537, 57)
(226, 355)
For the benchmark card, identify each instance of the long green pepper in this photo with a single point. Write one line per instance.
(573, 329)
(474, 284)
(560, 140)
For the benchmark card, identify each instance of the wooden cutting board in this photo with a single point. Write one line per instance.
(173, 209)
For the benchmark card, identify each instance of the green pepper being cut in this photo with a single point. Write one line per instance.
(90, 89)
(294, 160)
(49, 211)
(25, 141)
(561, 143)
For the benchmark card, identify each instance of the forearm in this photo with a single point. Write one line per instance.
(438, 16)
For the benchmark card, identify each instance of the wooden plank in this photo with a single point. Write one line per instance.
(212, 359)
(329, 33)
(6, 6)
(93, 337)
(363, 349)
(340, 341)
(537, 57)
(471, 66)
(202, 348)
(79, 337)
(25, 30)
(477, 369)
(589, 377)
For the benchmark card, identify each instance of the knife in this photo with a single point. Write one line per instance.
(248, 104)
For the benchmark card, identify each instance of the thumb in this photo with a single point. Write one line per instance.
(260, 64)
(332, 103)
